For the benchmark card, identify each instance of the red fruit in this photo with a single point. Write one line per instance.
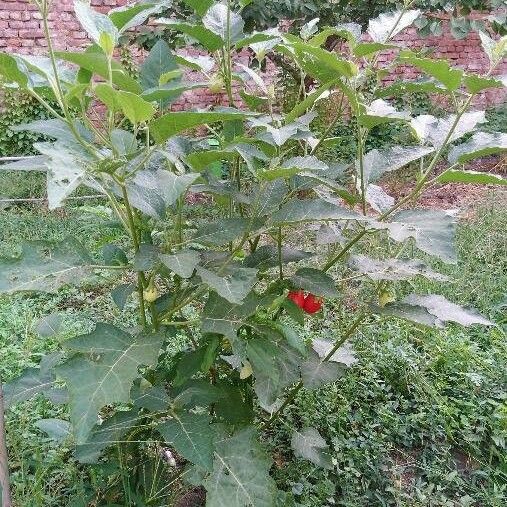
(312, 304)
(297, 297)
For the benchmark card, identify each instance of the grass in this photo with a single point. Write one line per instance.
(421, 420)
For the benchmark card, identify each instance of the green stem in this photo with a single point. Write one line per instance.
(280, 255)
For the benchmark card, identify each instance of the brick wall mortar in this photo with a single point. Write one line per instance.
(21, 32)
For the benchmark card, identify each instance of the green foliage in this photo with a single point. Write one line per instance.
(244, 364)
(19, 107)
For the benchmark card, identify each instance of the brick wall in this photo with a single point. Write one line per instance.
(20, 31)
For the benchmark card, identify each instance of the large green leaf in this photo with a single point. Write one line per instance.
(435, 131)
(266, 257)
(476, 84)
(172, 123)
(59, 129)
(222, 317)
(200, 6)
(225, 230)
(10, 71)
(240, 476)
(479, 145)
(379, 112)
(183, 263)
(192, 436)
(66, 171)
(110, 432)
(45, 267)
(474, 177)
(57, 430)
(203, 35)
(315, 281)
(227, 25)
(433, 231)
(95, 23)
(308, 444)
(369, 48)
(388, 25)
(393, 269)
(32, 381)
(377, 162)
(159, 61)
(103, 371)
(438, 69)
(233, 283)
(316, 373)
(309, 210)
(319, 63)
(130, 16)
(432, 310)
(96, 62)
(275, 365)
(153, 191)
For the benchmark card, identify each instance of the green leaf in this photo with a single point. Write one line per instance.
(123, 141)
(433, 232)
(432, 310)
(479, 145)
(474, 177)
(225, 230)
(310, 210)
(388, 25)
(200, 6)
(56, 429)
(308, 444)
(369, 48)
(192, 436)
(377, 162)
(196, 393)
(495, 49)
(275, 365)
(351, 32)
(56, 128)
(110, 432)
(379, 112)
(153, 191)
(159, 61)
(315, 281)
(135, 108)
(146, 257)
(103, 371)
(316, 373)
(10, 72)
(266, 257)
(240, 475)
(151, 397)
(436, 131)
(49, 325)
(94, 23)
(227, 25)
(345, 354)
(172, 123)
(476, 84)
(393, 269)
(114, 256)
(31, 382)
(319, 63)
(303, 106)
(130, 16)
(222, 317)
(438, 69)
(65, 171)
(200, 160)
(44, 267)
(96, 62)
(203, 35)
(121, 293)
(233, 284)
(183, 263)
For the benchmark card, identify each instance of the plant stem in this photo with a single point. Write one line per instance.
(360, 154)
(280, 255)
(5, 492)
